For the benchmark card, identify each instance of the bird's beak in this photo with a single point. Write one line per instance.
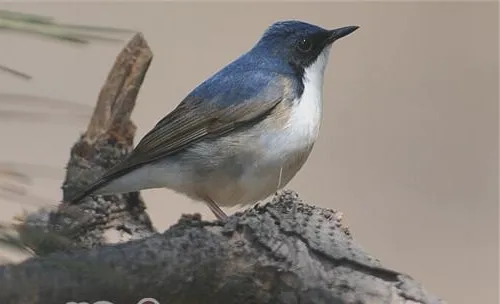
(341, 32)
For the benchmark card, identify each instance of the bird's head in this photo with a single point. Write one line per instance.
(299, 43)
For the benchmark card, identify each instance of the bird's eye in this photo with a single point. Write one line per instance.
(304, 45)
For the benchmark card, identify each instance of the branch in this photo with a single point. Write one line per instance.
(108, 138)
(284, 251)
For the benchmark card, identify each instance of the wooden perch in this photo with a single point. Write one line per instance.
(284, 251)
(109, 137)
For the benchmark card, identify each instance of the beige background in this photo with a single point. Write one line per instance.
(408, 147)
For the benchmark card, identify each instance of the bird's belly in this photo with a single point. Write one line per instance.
(264, 178)
(262, 167)
(254, 184)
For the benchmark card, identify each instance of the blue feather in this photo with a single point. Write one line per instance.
(248, 76)
(242, 80)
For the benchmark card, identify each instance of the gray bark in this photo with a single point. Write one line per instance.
(284, 251)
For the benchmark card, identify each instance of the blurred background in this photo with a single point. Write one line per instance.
(408, 148)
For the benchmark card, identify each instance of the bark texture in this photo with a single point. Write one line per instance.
(105, 248)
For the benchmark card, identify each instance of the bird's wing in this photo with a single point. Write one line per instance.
(196, 118)
(235, 102)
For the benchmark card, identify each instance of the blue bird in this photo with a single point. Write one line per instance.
(243, 133)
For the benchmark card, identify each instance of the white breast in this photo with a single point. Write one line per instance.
(305, 118)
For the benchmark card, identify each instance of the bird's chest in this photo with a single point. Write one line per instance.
(281, 152)
(285, 147)
(297, 125)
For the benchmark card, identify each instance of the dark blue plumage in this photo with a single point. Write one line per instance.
(227, 88)
(272, 56)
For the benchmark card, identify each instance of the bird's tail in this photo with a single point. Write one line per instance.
(114, 181)
(89, 190)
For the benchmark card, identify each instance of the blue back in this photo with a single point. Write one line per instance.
(247, 76)
(241, 80)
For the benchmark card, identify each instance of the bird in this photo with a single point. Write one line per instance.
(242, 134)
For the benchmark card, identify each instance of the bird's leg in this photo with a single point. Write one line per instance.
(217, 211)
(279, 179)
